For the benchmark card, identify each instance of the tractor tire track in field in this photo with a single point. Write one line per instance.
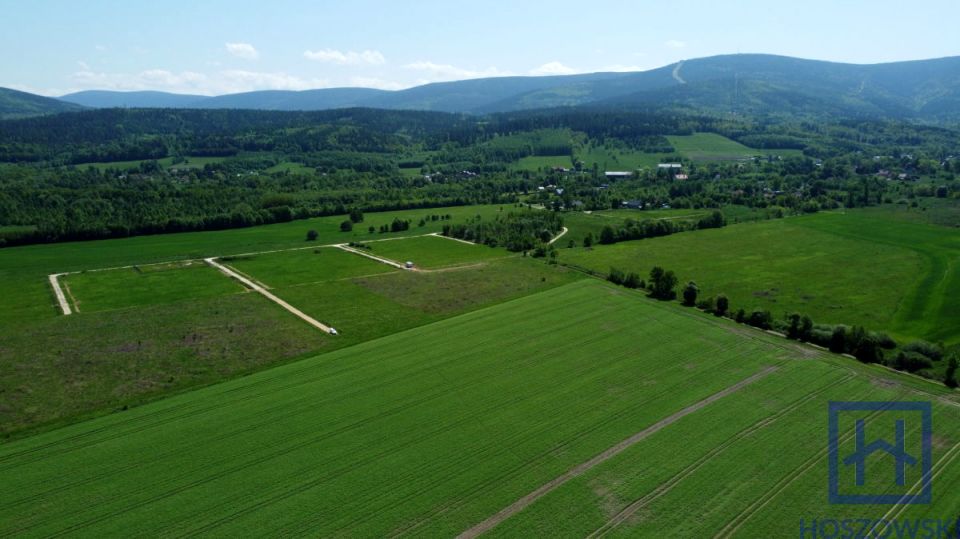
(504, 475)
(552, 485)
(667, 486)
(737, 522)
(296, 489)
(900, 506)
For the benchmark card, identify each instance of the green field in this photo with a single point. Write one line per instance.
(23, 270)
(290, 167)
(303, 266)
(714, 147)
(106, 358)
(537, 162)
(146, 285)
(853, 268)
(166, 162)
(432, 430)
(431, 252)
(579, 224)
(606, 158)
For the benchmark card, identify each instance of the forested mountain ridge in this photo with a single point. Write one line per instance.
(924, 90)
(17, 104)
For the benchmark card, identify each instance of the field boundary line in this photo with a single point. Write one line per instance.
(229, 272)
(606, 455)
(451, 238)
(380, 259)
(58, 292)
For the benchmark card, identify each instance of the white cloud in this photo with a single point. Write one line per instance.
(373, 82)
(221, 82)
(618, 68)
(446, 72)
(100, 48)
(553, 68)
(242, 50)
(334, 56)
(675, 44)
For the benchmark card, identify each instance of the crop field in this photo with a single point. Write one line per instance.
(714, 147)
(433, 431)
(146, 285)
(884, 274)
(430, 252)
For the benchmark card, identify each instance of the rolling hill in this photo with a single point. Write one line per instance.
(17, 104)
(107, 99)
(923, 90)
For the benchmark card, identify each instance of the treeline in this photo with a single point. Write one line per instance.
(652, 228)
(518, 230)
(857, 341)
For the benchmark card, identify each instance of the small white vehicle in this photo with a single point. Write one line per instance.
(409, 265)
(333, 331)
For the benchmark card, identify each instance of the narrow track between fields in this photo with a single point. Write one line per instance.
(58, 291)
(606, 455)
(265, 293)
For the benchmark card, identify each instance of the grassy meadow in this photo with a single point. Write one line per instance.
(859, 268)
(432, 252)
(714, 147)
(145, 285)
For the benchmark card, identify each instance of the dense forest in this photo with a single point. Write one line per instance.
(119, 172)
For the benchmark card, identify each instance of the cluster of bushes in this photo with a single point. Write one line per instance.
(661, 284)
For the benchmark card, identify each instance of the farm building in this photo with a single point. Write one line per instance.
(669, 166)
(617, 174)
(633, 204)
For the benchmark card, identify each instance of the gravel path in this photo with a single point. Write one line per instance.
(265, 293)
(58, 291)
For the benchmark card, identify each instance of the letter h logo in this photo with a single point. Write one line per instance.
(896, 450)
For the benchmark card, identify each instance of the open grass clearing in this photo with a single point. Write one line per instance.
(320, 264)
(714, 147)
(431, 252)
(122, 288)
(850, 268)
(24, 270)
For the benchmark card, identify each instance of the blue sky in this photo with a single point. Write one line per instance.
(212, 47)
